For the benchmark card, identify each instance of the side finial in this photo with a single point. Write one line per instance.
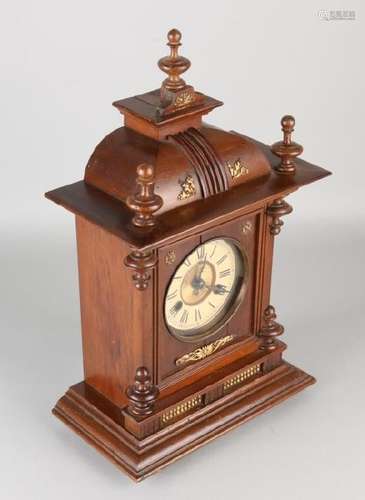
(145, 201)
(142, 394)
(277, 209)
(270, 329)
(286, 149)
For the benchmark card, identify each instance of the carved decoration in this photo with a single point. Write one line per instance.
(247, 227)
(237, 168)
(142, 264)
(270, 329)
(142, 394)
(188, 188)
(184, 98)
(209, 168)
(170, 257)
(278, 209)
(286, 149)
(204, 351)
(144, 202)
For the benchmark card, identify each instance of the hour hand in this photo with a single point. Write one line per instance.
(219, 289)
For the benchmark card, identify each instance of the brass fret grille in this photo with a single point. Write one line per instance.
(180, 409)
(241, 377)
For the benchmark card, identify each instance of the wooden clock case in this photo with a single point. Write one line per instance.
(153, 191)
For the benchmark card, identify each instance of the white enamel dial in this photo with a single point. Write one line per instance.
(205, 289)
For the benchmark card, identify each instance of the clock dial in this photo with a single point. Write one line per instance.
(206, 289)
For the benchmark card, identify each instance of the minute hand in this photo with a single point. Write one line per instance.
(199, 273)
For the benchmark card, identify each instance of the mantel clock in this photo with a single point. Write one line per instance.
(176, 221)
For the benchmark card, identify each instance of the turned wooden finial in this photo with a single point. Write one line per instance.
(174, 64)
(270, 329)
(142, 264)
(142, 394)
(145, 201)
(276, 210)
(175, 94)
(286, 149)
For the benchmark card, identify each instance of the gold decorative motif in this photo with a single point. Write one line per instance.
(237, 169)
(247, 227)
(170, 257)
(184, 99)
(187, 188)
(180, 409)
(204, 351)
(240, 377)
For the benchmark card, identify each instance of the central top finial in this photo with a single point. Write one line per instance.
(174, 64)
(175, 100)
(174, 37)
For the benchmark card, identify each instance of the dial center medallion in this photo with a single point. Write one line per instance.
(198, 283)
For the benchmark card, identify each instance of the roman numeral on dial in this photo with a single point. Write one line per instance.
(211, 255)
(200, 252)
(184, 316)
(176, 308)
(224, 273)
(222, 259)
(172, 295)
(198, 315)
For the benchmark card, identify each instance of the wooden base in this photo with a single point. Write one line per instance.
(141, 458)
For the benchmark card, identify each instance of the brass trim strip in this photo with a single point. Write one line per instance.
(241, 377)
(180, 409)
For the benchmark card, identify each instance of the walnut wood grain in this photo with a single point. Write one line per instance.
(110, 313)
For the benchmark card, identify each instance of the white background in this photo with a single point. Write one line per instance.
(62, 64)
